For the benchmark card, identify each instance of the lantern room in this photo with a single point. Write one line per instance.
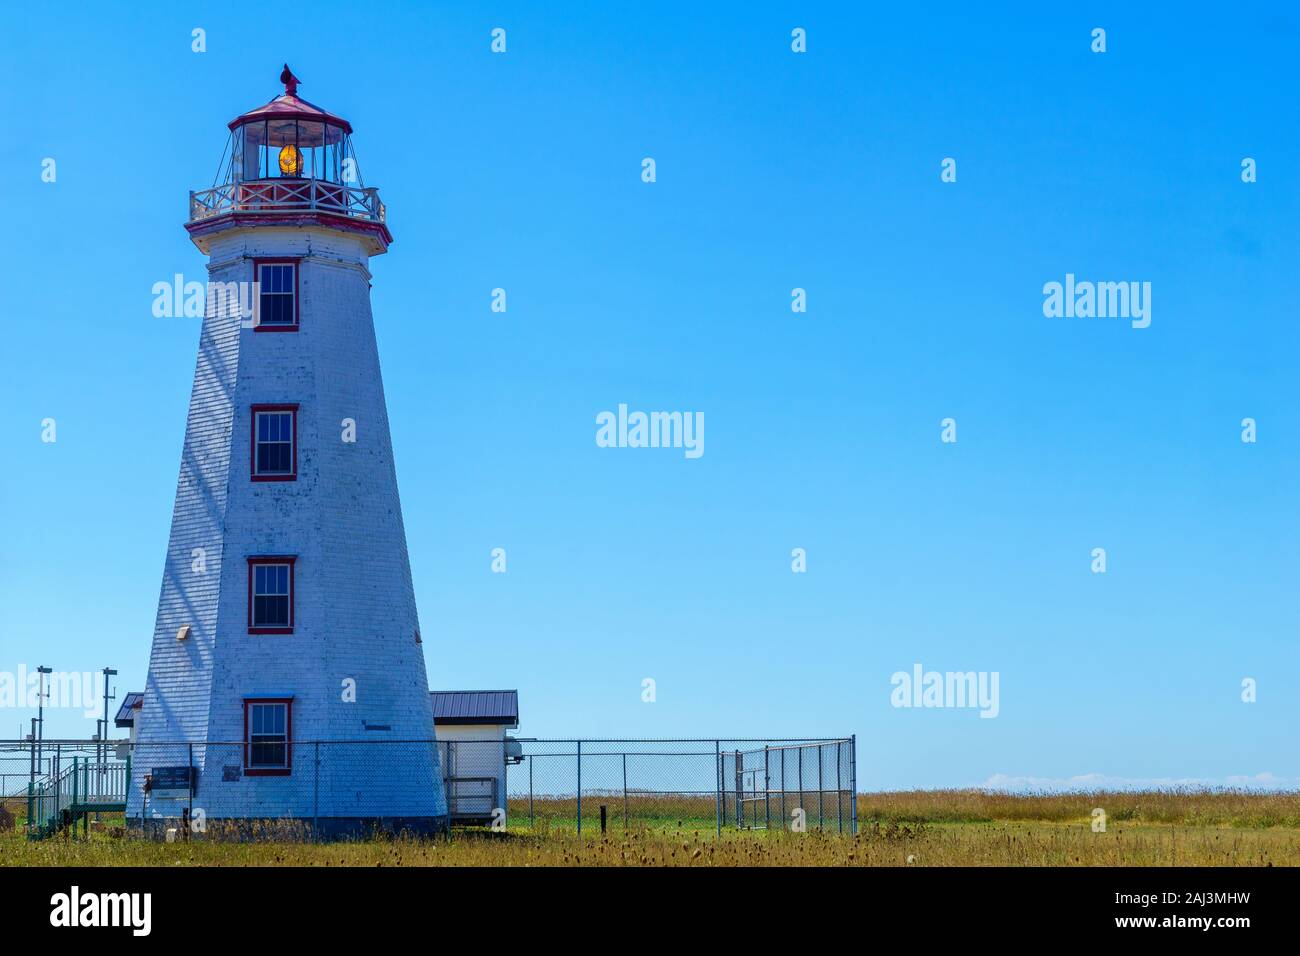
(293, 161)
(289, 138)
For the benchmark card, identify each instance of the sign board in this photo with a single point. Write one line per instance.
(171, 783)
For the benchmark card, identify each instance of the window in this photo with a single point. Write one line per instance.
(275, 443)
(268, 731)
(270, 595)
(277, 298)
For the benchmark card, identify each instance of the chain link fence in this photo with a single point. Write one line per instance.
(304, 790)
(704, 784)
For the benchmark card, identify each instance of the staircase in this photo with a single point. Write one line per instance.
(70, 794)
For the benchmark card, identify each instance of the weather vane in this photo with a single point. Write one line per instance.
(289, 80)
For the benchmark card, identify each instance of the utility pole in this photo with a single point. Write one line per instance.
(103, 733)
(109, 673)
(41, 694)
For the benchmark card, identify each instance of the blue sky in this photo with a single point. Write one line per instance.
(775, 170)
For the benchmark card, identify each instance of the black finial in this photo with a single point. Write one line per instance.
(289, 80)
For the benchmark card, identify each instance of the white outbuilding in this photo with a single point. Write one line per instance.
(472, 729)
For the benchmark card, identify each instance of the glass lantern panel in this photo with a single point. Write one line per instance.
(311, 140)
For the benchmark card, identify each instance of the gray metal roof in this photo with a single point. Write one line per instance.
(476, 707)
(125, 717)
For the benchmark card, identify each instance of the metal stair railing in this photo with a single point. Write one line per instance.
(67, 790)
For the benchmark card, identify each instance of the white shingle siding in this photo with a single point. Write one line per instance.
(354, 615)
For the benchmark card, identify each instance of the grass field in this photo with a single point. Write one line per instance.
(922, 828)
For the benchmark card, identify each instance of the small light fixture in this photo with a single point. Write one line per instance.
(290, 160)
(183, 632)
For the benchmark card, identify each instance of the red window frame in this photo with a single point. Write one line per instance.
(252, 442)
(288, 738)
(297, 297)
(266, 559)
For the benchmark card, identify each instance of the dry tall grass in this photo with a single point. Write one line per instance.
(1186, 807)
(920, 828)
(993, 844)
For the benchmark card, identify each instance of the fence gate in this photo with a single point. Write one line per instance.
(791, 786)
(753, 788)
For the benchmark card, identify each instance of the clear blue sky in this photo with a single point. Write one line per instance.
(775, 170)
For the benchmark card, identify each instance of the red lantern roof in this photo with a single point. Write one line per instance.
(289, 106)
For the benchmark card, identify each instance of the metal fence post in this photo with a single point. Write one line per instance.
(839, 784)
(740, 790)
(767, 788)
(579, 788)
(625, 792)
(784, 818)
(853, 782)
(32, 772)
(451, 783)
(821, 788)
(717, 781)
(530, 792)
(800, 755)
(72, 820)
(58, 781)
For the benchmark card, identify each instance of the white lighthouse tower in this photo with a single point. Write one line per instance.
(286, 655)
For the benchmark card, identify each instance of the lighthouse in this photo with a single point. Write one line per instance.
(286, 666)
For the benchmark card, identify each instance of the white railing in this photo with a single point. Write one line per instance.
(275, 196)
